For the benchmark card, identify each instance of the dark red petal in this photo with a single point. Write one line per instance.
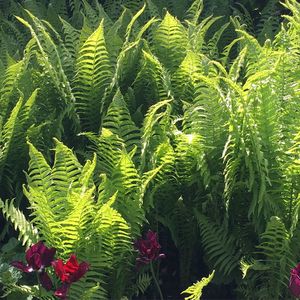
(82, 269)
(58, 266)
(32, 250)
(41, 248)
(294, 284)
(151, 235)
(62, 291)
(45, 281)
(20, 265)
(48, 256)
(35, 261)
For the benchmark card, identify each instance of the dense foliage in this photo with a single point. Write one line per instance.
(124, 116)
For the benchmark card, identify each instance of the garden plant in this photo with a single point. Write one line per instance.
(149, 149)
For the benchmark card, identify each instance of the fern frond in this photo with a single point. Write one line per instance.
(220, 248)
(50, 57)
(198, 33)
(152, 83)
(143, 282)
(186, 77)
(71, 43)
(128, 183)
(275, 257)
(66, 170)
(27, 233)
(108, 148)
(190, 159)
(269, 22)
(10, 128)
(154, 120)
(119, 122)
(193, 13)
(195, 291)
(92, 79)
(91, 15)
(170, 42)
(10, 81)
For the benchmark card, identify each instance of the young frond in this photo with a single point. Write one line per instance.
(170, 42)
(193, 13)
(93, 76)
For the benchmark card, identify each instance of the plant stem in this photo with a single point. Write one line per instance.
(39, 284)
(156, 282)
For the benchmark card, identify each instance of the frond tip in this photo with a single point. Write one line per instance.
(195, 290)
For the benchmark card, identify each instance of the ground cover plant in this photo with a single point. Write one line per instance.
(149, 149)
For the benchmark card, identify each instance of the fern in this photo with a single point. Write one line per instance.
(27, 233)
(12, 75)
(93, 77)
(269, 23)
(219, 247)
(195, 290)
(185, 127)
(118, 121)
(142, 284)
(152, 120)
(170, 42)
(193, 13)
(49, 55)
(67, 217)
(275, 259)
(153, 80)
(13, 141)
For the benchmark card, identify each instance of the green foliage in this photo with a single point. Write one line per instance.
(68, 218)
(276, 262)
(219, 246)
(163, 114)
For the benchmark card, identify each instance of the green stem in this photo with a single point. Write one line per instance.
(156, 282)
(39, 284)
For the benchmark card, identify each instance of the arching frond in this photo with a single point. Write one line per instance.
(27, 233)
(218, 245)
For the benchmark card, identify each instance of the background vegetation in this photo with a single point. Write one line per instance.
(179, 116)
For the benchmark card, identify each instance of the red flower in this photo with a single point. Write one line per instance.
(71, 271)
(295, 281)
(149, 248)
(62, 291)
(38, 257)
(68, 273)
